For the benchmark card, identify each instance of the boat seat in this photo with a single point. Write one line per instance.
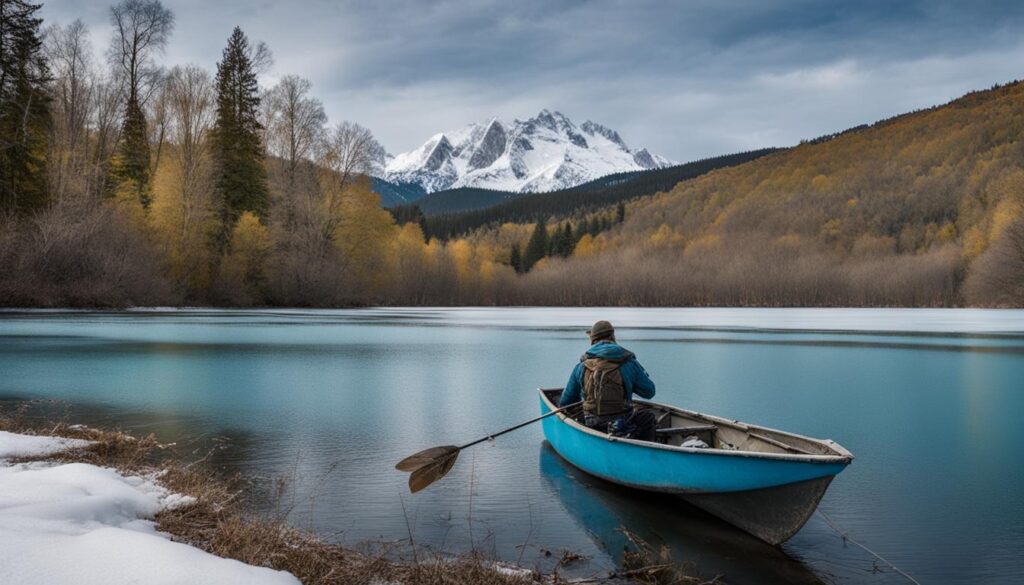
(687, 429)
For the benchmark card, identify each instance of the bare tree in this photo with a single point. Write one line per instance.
(69, 53)
(294, 124)
(349, 152)
(189, 102)
(997, 276)
(260, 57)
(141, 29)
(105, 120)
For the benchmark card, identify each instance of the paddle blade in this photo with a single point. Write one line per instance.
(432, 472)
(425, 457)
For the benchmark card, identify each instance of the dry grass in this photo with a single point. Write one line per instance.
(221, 522)
(651, 566)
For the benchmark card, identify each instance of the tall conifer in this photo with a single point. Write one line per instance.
(537, 247)
(567, 244)
(24, 108)
(241, 181)
(131, 160)
(516, 258)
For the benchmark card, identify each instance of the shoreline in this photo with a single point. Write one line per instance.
(214, 524)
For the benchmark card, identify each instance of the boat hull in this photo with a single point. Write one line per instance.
(772, 514)
(768, 495)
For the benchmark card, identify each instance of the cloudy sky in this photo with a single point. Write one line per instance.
(687, 79)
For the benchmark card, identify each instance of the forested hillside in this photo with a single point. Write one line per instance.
(590, 196)
(921, 209)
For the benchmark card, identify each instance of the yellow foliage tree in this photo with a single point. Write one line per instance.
(1006, 213)
(365, 235)
(461, 253)
(245, 264)
(665, 237)
(584, 247)
(182, 220)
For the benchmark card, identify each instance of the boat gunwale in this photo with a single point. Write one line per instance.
(842, 456)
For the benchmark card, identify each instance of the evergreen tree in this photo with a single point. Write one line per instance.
(404, 214)
(555, 241)
(537, 247)
(582, 229)
(24, 108)
(567, 243)
(241, 180)
(131, 160)
(141, 29)
(515, 259)
(620, 212)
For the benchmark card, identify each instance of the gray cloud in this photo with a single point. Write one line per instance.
(687, 79)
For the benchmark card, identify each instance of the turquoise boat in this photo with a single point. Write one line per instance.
(764, 481)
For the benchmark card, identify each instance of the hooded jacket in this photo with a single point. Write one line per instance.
(634, 377)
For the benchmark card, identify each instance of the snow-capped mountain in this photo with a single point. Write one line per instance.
(544, 153)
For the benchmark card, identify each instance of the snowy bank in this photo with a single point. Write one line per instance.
(82, 524)
(13, 445)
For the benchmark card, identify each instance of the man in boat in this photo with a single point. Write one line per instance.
(605, 380)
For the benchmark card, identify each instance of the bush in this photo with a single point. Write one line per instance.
(996, 278)
(80, 255)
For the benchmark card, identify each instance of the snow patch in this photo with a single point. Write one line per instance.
(82, 524)
(13, 445)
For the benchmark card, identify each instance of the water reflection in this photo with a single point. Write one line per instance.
(603, 510)
(923, 398)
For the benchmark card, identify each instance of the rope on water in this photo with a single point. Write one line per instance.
(847, 538)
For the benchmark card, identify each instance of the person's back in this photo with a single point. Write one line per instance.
(605, 380)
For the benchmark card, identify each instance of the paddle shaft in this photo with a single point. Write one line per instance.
(521, 425)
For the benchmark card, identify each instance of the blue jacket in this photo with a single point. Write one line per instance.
(634, 377)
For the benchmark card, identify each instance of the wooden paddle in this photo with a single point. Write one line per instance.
(432, 464)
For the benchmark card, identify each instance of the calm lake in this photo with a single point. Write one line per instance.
(931, 403)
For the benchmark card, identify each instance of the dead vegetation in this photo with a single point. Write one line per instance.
(223, 521)
(654, 566)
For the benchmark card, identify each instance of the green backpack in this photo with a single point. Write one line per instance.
(604, 394)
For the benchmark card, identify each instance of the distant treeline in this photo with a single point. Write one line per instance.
(126, 182)
(604, 192)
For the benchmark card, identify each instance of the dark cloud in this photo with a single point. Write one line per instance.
(687, 79)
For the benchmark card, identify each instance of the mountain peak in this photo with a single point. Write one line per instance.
(542, 153)
(595, 129)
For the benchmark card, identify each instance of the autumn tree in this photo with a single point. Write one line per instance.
(24, 108)
(997, 276)
(237, 148)
(141, 30)
(86, 116)
(183, 209)
(411, 280)
(243, 275)
(351, 215)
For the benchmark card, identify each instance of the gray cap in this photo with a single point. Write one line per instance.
(601, 329)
